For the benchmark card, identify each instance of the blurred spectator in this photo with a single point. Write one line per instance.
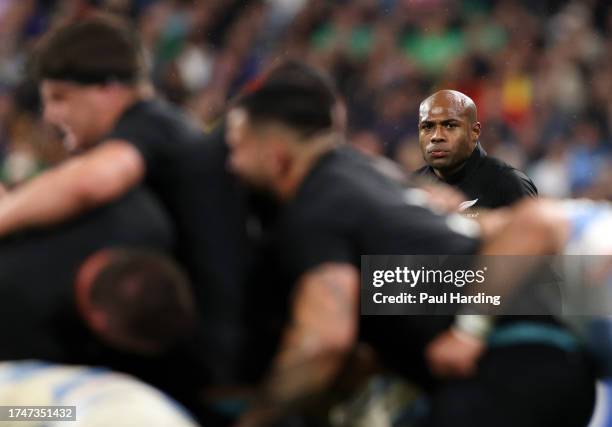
(434, 43)
(586, 156)
(550, 173)
(27, 143)
(537, 71)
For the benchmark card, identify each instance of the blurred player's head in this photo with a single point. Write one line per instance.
(134, 300)
(448, 130)
(288, 119)
(88, 72)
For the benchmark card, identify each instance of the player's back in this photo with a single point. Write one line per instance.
(344, 209)
(345, 198)
(37, 270)
(187, 170)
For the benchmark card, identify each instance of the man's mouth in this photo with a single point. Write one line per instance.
(68, 138)
(438, 153)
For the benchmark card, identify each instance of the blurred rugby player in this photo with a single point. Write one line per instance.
(56, 281)
(37, 271)
(140, 317)
(135, 299)
(95, 88)
(336, 208)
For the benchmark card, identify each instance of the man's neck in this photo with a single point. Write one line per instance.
(445, 174)
(130, 97)
(305, 159)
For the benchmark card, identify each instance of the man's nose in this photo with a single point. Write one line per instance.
(46, 114)
(438, 135)
(50, 114)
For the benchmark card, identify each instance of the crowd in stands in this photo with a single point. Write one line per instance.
(540, 72)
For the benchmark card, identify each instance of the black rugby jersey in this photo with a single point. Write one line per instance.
(486, 181)
(343, 209)
(187, 170)
(38, 268)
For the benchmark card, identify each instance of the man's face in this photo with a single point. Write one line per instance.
(251, 150)
(75, 110)
(447, 135)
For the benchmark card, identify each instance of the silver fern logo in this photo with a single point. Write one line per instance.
(467, 204)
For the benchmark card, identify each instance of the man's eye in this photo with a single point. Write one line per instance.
(451, 125)
(427, 126)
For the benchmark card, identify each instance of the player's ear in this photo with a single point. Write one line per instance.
(98, 321)
(475, 131)
(281, 159)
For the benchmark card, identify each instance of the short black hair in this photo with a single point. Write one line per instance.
(294, 94)
(99, 49)
(147, 296)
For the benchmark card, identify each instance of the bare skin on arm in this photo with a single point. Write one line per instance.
(86, 181)
(531, 229)
(443, 198)
(454, 354)
(315, 344)
(102, 172)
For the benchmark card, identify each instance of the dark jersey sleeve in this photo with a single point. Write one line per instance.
(415, 230)
(158, 131)
(515, 186)
(302, 248)
(143, 137)
(403, 229)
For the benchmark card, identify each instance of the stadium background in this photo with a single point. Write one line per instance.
(539, 72)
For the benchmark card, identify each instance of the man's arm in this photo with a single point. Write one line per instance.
(532, 227)
(515, 186)
(84, 182)
(315, 344)
(529, 230)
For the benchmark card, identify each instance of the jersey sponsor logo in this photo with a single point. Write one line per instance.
(467, 204)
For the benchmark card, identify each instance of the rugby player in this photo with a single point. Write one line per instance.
(449, 137)
(95, 88)
(336, 208)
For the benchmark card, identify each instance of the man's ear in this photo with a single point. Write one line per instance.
(282, 160)
(475, 131)
(97, 321)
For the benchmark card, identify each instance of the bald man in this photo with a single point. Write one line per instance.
(449, 134)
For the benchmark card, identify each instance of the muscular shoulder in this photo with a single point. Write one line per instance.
(154, 121)
(158, 131)
(345, 188)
